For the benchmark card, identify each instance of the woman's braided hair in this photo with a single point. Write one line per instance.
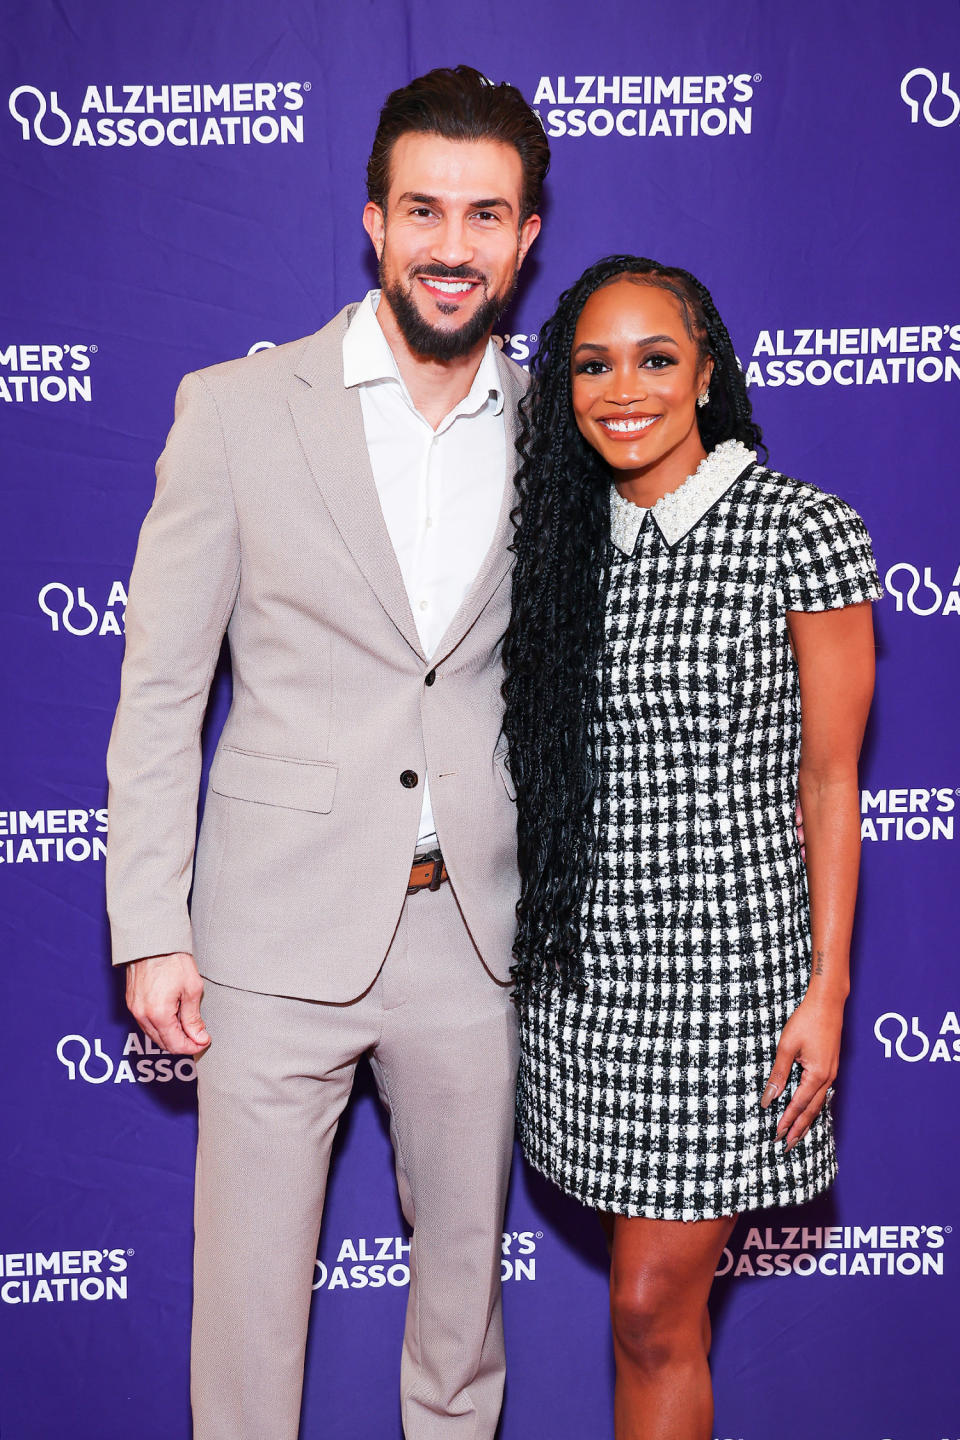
(554, 644)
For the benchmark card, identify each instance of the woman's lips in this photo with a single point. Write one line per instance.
(626, 427)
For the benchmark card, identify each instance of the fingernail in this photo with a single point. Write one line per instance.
(771, 1093)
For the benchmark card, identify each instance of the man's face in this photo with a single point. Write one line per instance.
(451, 243)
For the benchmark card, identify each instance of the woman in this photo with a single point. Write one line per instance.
(690, 648)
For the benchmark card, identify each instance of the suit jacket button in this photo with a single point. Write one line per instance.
(430, 676)
(409, 779)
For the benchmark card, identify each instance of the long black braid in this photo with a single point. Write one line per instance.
(554, 644)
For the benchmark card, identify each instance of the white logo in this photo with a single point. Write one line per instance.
(908, 814)
(45, 372)
(919, 87)
(518, 347)
(383, 1261)
(32, 1276)
(868, 355)
(838, 1250)
(646, 106)
(52, 836)
(252, 112)
(70, 611)
(905, 1038)
(922, 595)
(90, 1062)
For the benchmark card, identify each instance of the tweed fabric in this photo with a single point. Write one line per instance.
(640, 1096)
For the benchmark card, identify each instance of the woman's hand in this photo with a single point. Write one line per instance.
(810, 1038)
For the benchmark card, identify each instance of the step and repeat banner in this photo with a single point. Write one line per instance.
(183, 183)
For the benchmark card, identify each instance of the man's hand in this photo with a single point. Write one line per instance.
(163, 995)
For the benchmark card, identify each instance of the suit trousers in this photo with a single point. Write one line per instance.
(440, 1034)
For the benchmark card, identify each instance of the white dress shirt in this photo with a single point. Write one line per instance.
(440, 490)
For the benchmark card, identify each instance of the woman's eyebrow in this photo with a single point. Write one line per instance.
(645, 340)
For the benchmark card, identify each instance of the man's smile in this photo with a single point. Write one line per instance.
(447, 288)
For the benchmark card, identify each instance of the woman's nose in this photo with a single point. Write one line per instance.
(624, 386)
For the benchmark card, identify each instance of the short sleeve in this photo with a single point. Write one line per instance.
(827, 560)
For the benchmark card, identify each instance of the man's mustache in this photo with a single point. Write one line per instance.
(444, 272)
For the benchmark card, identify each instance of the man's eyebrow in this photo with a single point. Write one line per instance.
(644, 340)
(497, 203)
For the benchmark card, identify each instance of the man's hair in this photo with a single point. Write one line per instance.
(460, 104)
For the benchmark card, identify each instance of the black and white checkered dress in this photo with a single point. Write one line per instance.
(641, 1097)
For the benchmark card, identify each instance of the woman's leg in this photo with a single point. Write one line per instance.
(660, 1277)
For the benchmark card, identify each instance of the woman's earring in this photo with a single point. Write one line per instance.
(703, 399)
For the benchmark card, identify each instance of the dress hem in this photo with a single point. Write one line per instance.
(664, 1212)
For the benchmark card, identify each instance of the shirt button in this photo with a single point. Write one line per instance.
(430, 676)
(408, 779)
(424, 604)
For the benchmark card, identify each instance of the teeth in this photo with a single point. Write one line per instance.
(628, 427)
(448, 287)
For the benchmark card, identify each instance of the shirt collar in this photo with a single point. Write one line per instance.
(367, 358)
(677, 513)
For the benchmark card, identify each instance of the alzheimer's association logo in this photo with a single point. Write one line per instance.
(904, 1038)
(70, 612)
(249, 112)
(930, 95)
(914, 588)
(141, 1063)
(45, 372)
(646, 106)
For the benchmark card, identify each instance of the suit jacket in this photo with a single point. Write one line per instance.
(267, 525)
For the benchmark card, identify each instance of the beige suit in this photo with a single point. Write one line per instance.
(267, 526)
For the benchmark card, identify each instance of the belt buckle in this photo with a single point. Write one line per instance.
(434, 859)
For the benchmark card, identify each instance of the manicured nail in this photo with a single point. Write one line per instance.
(770, 1094)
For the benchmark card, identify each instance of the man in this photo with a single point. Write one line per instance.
(340, 506)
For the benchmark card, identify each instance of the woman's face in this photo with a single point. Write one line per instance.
(636, 375)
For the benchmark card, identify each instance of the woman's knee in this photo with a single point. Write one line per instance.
(654, 1325)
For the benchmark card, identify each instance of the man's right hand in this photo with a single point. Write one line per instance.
(163, 995)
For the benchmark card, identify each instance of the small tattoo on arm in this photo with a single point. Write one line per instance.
(818, 963)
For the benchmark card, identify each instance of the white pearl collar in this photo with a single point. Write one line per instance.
(677, 513)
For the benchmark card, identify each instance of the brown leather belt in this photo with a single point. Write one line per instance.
(428, 872)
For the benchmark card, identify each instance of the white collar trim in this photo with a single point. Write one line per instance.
(677, 513)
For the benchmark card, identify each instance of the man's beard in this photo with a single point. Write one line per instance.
(428, 340)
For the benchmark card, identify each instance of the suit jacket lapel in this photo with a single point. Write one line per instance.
(329, 422)
(498, 558)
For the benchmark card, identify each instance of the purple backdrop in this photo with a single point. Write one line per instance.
(183, 183)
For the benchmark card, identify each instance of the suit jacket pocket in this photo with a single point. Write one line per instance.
(274, 780)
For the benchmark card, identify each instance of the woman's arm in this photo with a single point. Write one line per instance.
(834, 651)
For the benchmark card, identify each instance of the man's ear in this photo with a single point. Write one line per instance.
(375, 225)
(529, 231)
